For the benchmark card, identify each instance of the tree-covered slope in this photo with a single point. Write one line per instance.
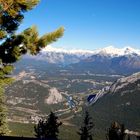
(121, 104)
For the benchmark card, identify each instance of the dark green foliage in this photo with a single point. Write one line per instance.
(128, 137)
(11, 14)
(33, 43)
(116, 132)
(28, 41)
(86, 129)
(48, 128)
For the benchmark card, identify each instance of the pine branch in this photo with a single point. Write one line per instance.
(50, 37)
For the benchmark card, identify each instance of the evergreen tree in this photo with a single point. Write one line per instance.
(48, 128)
(86, 129)
(122, 132)
(13, 46)
(128, 137)
(116, 132)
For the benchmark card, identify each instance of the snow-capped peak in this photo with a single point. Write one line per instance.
(128, 50)
(61, 50)
(112, 51)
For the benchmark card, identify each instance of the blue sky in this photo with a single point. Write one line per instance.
(89, 24)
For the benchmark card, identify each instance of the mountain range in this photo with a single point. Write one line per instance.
(59, 55)
(112, 60)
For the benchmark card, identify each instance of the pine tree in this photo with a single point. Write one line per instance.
(116, 132)
(86, 129)
(122, 132)
(48, 128)
(128, 137)
(13, 46)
